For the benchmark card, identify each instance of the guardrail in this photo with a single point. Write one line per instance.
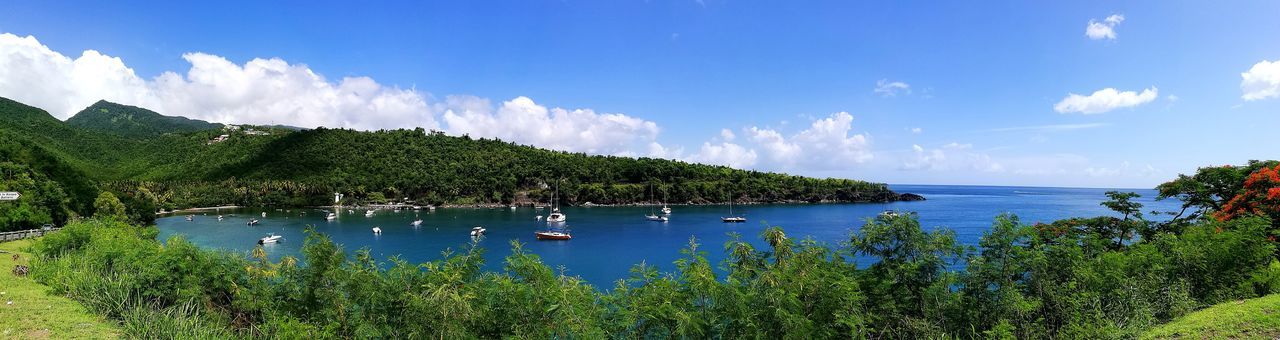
(21, 234)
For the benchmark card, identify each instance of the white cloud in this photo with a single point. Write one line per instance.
(1125, 169)
(1262, 81)
(1104, 100)
(886, 88)
(950, 157)
(273, 91)
(522, 120)
(826, 144)
(916, 130)
(1104, 29)
(727, 154)
(262, 91)
(727, 135)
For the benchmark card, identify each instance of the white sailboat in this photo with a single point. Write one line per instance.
(653, 216)
(732, 218)
(556, 216)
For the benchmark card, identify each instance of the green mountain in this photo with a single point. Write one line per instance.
(125, 149)
(133, 121)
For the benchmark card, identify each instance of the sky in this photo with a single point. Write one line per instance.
(1073, 94)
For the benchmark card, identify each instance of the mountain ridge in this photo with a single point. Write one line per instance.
(133, 121)
(281, 166)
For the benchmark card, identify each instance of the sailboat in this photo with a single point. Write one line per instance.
(556, 216)
(653, 216)
(732, 218)
(561, 234)
(665, 209)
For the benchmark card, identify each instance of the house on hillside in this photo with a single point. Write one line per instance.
(219, 139)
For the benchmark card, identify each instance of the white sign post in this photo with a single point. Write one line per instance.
(9, 195)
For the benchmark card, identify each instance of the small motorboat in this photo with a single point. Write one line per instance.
(191, 217)
(264, 214)
(331, 216)
(219, 217)
(271, 238)
(478, 231)
(666, 210)
(513, 207)
(539, 217)
(888, 214)
(252, 222)
(368, 213)
(656, 218)
(553, 235)
(416, 223)
(377, 230)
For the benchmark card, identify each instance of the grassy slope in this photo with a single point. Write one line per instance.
(35, 314)
(1248, 319)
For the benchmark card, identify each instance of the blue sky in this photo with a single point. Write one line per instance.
(898, 92)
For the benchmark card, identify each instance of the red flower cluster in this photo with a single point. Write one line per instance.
(1261, 196)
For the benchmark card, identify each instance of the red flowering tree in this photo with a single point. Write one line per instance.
(1261, 196)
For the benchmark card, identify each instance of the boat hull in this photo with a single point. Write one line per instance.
(553, 236)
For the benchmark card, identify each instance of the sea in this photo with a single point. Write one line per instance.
(608, 241)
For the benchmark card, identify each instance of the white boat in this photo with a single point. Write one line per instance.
(191, 218)
(416, 223)
(252, 222)
(331, 217)
(556, 216)
(889, 213)
(219, 217)
(539, 217)
(271, 238)
(653, 216)
(377, 230)
(513, 207)
(368, 213)
(666, 210)
(732, 218)
(264, 214)
(478, 231)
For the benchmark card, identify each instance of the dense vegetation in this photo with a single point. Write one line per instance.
(132, 121)
(155, 162)
(1101, 277)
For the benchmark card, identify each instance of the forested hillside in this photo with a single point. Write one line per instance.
(140, 155)
(133, 121)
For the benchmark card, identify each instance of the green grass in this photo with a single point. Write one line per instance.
(28, 311)
(1246, 319)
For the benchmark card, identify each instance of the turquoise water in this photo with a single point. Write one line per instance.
(607, 241)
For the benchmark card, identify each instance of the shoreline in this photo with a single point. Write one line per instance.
(179, 211)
